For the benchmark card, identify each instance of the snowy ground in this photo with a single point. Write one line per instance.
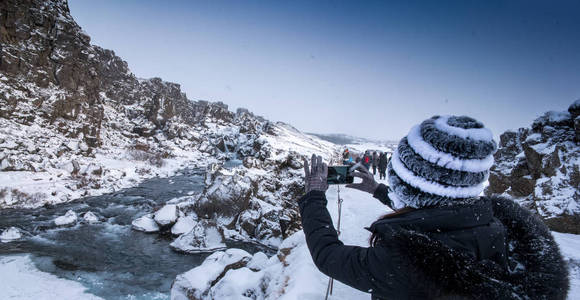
(359, 210)
(298, 279)
(19, 279)
(294, 276)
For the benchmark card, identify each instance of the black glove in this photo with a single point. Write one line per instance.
(315, 176)
(368, 183)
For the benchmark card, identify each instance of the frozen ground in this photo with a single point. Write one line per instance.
(19, 279)
(295, 276)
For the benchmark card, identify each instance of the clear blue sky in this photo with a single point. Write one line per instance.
(366, 68)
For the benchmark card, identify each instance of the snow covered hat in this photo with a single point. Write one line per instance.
(442, 161)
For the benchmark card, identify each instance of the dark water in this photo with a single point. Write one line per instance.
(110, 259)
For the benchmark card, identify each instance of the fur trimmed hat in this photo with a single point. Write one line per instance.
(442, 161)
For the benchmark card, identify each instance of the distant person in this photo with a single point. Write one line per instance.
(346, 156)
(382, 165)
(442, 240)
(366, 160)
(375, 162)
(357, 160)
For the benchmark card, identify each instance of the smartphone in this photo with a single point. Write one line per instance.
(339, 175)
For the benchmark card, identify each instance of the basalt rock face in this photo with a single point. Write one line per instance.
(74, 122)
(50, 70)
(539, 167)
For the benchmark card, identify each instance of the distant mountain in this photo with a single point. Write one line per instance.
(345, 139)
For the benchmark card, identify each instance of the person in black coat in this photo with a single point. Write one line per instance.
(383, 165)
(375, 162)
(443, 240)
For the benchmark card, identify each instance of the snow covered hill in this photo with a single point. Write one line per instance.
(359, 145)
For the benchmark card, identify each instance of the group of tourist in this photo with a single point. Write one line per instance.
(371, 158)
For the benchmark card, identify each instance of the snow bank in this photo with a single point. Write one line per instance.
(10, 234)
(21, 280)
(68, 219)
(291, 274)
(145, 224)
(167, 215)
(569, 245)
(90, 217)
(184, 225)
(203, 237)
(198, 280)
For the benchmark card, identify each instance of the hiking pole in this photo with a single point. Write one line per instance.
(330, 286)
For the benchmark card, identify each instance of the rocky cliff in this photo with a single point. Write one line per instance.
(74, 121)
(539, 166)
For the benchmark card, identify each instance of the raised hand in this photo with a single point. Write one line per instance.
(315, 175)
(368, 183)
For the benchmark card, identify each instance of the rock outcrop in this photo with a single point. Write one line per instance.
(74, 122)
(539, 166)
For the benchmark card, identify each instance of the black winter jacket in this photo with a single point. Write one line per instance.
(493, 249)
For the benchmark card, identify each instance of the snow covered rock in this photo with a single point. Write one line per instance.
(183, 225)
(203, 237)
(167, 215)
(70, 218)
(145, 224)
(574, 109)
(10, 234)
(539, 167)
(90, 217)
(196, 283)
(259, 261)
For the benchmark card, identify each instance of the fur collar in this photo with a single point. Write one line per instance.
(536, 268)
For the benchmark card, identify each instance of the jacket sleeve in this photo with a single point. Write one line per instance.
(373, 269)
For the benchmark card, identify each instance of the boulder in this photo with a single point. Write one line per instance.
(534, 161)
(577, 129)
(520, 169)
(167, 215)
(203, 237)
(249, 220)
(196, 283)
(259, 261)
(574, 109)
(145, 224)
(538, 166)
(183, 225)
(522, 186)
(70, 218)
(10, 234)
(90, 217)
(551, 162)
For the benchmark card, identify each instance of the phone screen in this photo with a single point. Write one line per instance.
(339, 175)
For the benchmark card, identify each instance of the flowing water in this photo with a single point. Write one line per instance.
(109, 258)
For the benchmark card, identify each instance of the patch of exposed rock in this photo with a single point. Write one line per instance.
(539, 166)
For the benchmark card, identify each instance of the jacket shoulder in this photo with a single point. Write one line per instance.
(541, 268)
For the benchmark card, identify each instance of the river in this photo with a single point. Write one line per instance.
(109, 258)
